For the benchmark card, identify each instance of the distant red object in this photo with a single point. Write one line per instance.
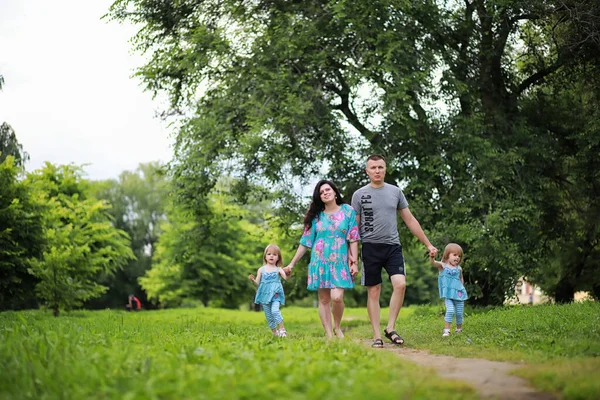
(134, 304)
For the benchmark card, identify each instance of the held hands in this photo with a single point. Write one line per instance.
(432, 251)
(353, 267)
(288, 270)
(353, 263)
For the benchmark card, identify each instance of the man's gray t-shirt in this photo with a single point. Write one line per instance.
(378, 210)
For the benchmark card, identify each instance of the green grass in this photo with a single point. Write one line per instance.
(559, 343)
(197, 354)
(210, 353)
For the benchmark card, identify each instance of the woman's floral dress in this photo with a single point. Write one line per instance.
(328, 238)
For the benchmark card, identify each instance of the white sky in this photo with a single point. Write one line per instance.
(68, 91)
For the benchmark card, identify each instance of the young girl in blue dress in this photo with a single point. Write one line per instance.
(452, 286)
(270, 291)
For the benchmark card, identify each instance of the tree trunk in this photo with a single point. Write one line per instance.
(596, 292)
(488, 297)
(564, 292)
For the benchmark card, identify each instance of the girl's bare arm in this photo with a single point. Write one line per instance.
(282, 273)
(436, 264)
(256, 280)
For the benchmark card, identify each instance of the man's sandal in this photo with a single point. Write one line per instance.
(394, 337)
(378, 343)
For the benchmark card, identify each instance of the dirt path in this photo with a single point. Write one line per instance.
(490, 378)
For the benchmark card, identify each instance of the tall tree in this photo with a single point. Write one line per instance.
(10, 146)
(138, 202)
(210, 259)
(272, 90)
(81, 241)
(21, 238)
(567, 128)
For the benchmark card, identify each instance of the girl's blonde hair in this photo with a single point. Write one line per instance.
(274, 248)
(452, 248)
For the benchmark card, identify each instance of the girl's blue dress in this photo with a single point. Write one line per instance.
(270, 288)
(450, 285)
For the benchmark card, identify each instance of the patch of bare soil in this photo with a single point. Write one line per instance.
(491, 379)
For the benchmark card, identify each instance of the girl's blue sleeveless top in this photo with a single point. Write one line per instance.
(270, 288)
(450, 285)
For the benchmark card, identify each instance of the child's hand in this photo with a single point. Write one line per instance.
(251, 277)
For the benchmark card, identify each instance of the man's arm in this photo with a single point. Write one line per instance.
(414, 226)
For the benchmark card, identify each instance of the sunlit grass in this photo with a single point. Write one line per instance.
(198, 353)
(559, 343)
(212, 353)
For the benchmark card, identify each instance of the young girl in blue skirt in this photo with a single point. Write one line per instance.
(452, 286)
(270, 291)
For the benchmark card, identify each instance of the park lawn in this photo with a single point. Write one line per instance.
(212, 353)
(559, 343)
(200, 353)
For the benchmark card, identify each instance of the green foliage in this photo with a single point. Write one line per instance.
(81, 241)
(138, 200)
(9, 145)
(210, 258)
(21, 238)
(278, 92)
(567, 128)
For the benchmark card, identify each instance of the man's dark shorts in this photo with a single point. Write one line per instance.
(376, 256)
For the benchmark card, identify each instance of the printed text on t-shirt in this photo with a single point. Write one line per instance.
(367, 211)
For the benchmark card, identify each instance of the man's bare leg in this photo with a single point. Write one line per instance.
(397, 299)
(373, 309)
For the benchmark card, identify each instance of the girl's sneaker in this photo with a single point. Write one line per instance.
(446, 332)
(282, 332)
(458, 330)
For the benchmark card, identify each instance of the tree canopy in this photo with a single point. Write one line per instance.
(279, 92)
(10, 146)
(138, 201)
(81, 244)
(21, 238)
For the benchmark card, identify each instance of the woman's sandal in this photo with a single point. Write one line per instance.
(394, 337)
(378, 343)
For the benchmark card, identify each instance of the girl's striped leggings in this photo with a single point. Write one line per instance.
(273, 314)
(455, 307)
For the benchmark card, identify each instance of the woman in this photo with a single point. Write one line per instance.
(329, 225)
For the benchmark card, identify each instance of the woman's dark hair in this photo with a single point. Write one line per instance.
(317, 204)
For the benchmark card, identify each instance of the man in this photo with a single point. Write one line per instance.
(376, 205)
